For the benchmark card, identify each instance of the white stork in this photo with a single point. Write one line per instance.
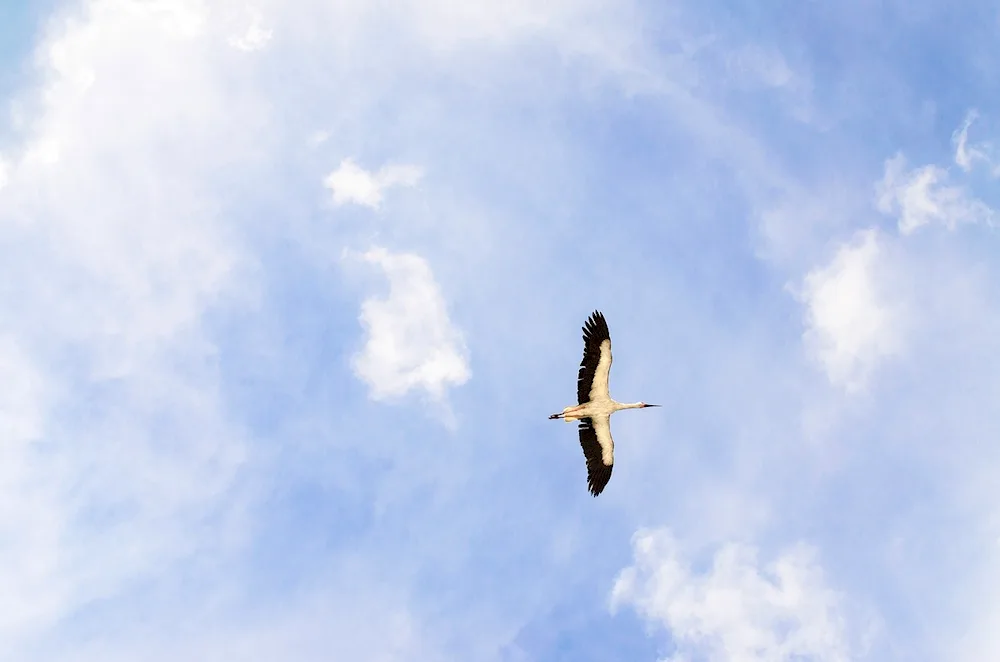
(595, 404)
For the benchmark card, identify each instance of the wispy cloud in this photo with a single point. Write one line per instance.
(921, 196)
(255, 37)
(118, 442)
(966, 155)
(352, 183)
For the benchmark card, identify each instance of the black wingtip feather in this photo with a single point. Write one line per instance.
(598, 473)
(596, 328)
(595, 331)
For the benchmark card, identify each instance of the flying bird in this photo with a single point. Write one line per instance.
(595, 404)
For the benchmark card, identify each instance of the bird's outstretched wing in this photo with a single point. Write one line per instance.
(593, 378)
(599, 451)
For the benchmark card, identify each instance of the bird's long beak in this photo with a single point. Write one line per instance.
(653, 405)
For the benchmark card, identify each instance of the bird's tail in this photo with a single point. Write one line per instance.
(555, 416)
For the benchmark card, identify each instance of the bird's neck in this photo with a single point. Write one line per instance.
(628, 405)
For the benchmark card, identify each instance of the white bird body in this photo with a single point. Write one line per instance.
(599, 408)
(596, 404)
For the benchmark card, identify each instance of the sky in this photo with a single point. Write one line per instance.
(290, 288)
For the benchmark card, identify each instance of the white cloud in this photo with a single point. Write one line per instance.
(736, 611)
(411, 342)
(921, 196)
(850, 324)
(255, 37)
(351, 183)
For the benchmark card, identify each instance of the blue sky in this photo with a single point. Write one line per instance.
(291, 288)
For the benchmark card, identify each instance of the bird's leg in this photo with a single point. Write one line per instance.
(567, 413)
